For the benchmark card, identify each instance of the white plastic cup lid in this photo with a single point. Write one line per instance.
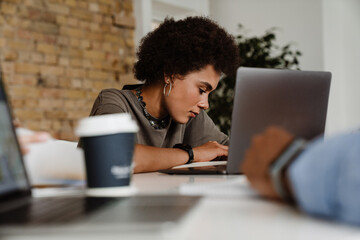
(106, 124)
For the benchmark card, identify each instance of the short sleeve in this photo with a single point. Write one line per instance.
(109, 101)
(202, 129)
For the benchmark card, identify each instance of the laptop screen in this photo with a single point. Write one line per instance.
(12, 173)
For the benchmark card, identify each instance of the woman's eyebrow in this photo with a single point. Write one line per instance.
(207, 85)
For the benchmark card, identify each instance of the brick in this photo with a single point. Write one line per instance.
(50, 39)
(31, 103)
(51, 70)
(56, 125)
(123, 20)
(28, 80)
(44, 27)
(62, 41)
(76, 62)
(87, 84)
(56, 114)
(75, 72)
(64, 61)
(98, 85)
(84, 25)
(64, 83)
(100, 75)
(34, 3)
(105, 9)
(10, 55)
(74, 115)
(69, 104)
(83, 4)
(76, 83)
(112, 38)
(37, 58)
(75, 94)
(2, 42)
(108, 2)
(85, 44)
(58, 8)
(28, 114)
(108, 20)
(72, 32)
(71, 3)
(50, 59)
(97, 64)
(24, 56)
(94, 7)
(16, 103)
(128, 79)
(46, 48)
(74, 42)
(20, 45)
(73, 22)
(51, 82)
(24, 91)
(8, 33)
(96, 55)
(94, 36)
(81, 14)
(51, 93)
(62, 20)
(8, 8)
(26, 68)
(94, 27)
(128, 5)
(24, 35)
(98, 18)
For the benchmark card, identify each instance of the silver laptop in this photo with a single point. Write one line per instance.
(294, 100)
(20, 214)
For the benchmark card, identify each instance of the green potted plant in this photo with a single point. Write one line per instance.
(260, 52)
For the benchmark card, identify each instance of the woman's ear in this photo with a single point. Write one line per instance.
(168, 79)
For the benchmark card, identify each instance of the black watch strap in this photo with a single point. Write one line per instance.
(186, 148)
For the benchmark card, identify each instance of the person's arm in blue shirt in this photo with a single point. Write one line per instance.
(324, 179)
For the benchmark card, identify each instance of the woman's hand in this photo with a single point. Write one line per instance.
(209, 151)
(31, 137)
(36, 137)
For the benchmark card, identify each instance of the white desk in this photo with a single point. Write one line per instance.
(231, 210)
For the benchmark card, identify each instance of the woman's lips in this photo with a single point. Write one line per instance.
(193, 114)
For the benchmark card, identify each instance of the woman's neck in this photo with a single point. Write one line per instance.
(153, 97)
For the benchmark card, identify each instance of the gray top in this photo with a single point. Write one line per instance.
(196, 132)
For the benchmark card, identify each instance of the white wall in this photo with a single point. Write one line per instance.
(149, 11)
(341, 57)
(299, 22)
(327, 32)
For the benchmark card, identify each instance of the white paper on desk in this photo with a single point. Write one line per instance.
(238, 186)
(54, 162)
(201, 164)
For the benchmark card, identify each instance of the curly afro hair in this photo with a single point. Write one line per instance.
(184, 46)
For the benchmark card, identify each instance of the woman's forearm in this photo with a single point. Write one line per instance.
(150, 159)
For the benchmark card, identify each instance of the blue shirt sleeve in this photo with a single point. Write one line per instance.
(325, 178)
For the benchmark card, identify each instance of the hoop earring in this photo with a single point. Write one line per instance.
(164, 90)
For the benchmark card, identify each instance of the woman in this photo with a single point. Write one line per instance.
(181, 63)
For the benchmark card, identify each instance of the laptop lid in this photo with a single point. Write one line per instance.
(13, 179)
(294, 100)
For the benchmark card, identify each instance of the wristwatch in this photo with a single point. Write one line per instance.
(187, 148)
(278, 167)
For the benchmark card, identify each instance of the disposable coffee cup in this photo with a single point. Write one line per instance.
(108, 144)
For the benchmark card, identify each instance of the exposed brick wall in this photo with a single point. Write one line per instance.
(56, 56)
